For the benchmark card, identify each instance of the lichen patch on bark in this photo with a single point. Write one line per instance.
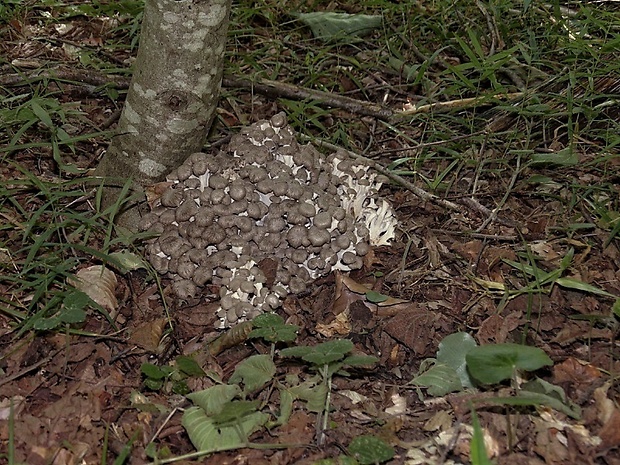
(131, 115)
(215, 16)
(181, 126)
(151, 167)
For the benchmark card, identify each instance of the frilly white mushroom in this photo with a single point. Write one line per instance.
(265, 197)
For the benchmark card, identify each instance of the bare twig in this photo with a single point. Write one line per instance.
(426, 144)
(504, 199)
(475, 235)
(470, 203)
(456, 104)
(473, 204)
(28, 369)
(418, 192)
(266, 87)
(282, 89)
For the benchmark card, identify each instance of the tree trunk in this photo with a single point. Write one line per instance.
(173, 93)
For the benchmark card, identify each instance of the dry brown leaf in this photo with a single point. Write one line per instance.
(340, 326)
(544, 250)
(154, 192)
(234, 336)
(414, 327)
(348, 291)
(575, 371)
(605, 407)
(399, 406)
(358, 288)
(149, 334)
(469, 250)
(440, 421)
(610, 432)
(99, 283)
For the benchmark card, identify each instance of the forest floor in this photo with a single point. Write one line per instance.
(501, 132)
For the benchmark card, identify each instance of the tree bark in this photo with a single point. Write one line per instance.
(173, 93)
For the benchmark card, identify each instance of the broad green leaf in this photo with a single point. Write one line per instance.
(286, 406)
(189, 366)
(208, 437)
(334, 368)
(328, 25)
(320, 354)
(266, 320)
(74, 304)
(45, 324)
(71, 312)
(153, 371)
(571, 283)
(493, 363)
(370, 450)
(440, 380)
(328, 352)
(298, 351)
(234, 411)
(452, 351)
(616, 308)
(212, 400)
(479, 454)
(556, 396)
(311, 391)
(360, 360)
(127, 261)
(72, 315)
(254, 372)
(376, 297)
(154, 384)
(271, 328)
(180, 387)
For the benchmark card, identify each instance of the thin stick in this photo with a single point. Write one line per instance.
(282, 89)
(469, 202)
(421, 193)
(273, 89)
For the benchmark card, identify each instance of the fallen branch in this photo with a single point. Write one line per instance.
(276, 89)
(469, 202)
(272, 89)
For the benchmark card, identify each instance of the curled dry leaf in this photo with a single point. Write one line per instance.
(153, 193)
(358, 288)
(340, 326)
(149, 335)
(399, 406)
(99, 283)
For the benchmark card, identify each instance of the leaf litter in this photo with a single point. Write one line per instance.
(64, 391)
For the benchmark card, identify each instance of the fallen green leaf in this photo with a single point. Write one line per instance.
(440, 380)
(494, 363)
(370, 450)
(328, 25)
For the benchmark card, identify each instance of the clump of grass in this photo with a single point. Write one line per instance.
(50, 228)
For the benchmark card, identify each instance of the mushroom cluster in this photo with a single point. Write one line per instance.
(264, 197)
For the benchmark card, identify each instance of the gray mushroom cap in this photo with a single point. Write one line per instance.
(264, 197)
